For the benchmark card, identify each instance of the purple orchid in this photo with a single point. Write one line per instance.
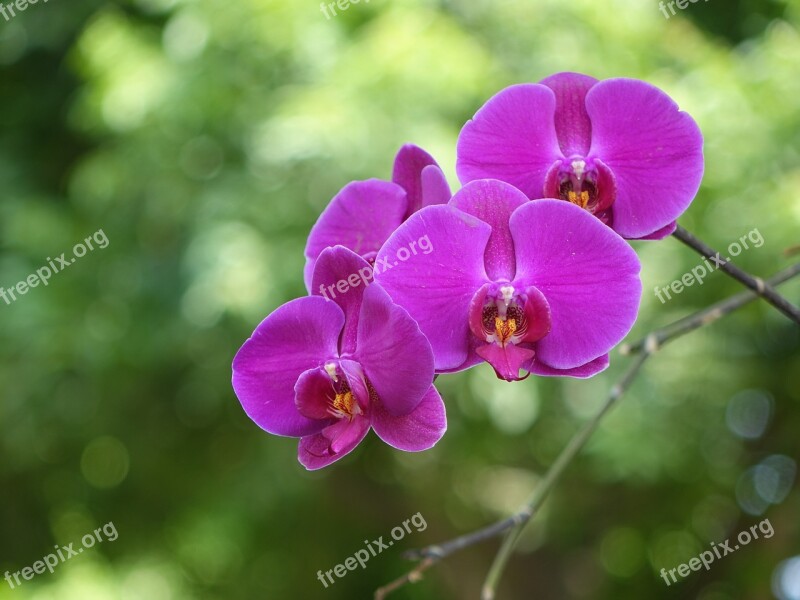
(326, 371)
(619, 148)
(365, 213)
(536, 285)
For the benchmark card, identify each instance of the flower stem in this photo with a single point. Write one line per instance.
(537, 498)
(704, 317)
(765, 290)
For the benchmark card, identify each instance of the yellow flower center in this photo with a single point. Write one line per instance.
(581, 199)
(343, 404)
(504, 328)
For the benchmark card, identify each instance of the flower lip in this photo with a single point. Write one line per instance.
(509, 320)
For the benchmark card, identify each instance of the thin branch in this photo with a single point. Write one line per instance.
(704, 317)
(431, 555)
(756, 284)
(575, 445)
(439, 551)
(412, 576)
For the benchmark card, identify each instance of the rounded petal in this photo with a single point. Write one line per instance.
(409, 169)
(511, 138)
(360, 217)
(396, 357)
(334, 266)
(590, 369)
(492, 202)
(573, 127)
(414, 432)
(435, 189)
(436, 288)
(587, 273)
(298, 336)
(654, 150)
(335, 441)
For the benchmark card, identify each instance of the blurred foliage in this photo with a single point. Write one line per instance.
(204, 137)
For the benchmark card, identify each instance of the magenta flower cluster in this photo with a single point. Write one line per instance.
(525, 267)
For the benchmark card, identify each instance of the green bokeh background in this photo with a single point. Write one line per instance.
(204, 138)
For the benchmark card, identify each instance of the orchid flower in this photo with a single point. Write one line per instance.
(327, 371)
(364, 213)
(618, 148)
(536, 285)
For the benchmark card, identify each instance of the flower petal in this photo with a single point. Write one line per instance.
(573, 127)
(654, 150)
(396, 357)
(492, 202)
(298, 336)
(511, 138)
(435, 189)
(587, 273)
(416, 431)
(409, 166)
(333, 267)
(590, 369)
(360, 217)
(335, 441)
(436, 288)
(661, 233)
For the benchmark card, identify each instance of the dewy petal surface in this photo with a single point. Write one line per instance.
(654, 150)
(573, 127)
(436, 288)
(298, 336)
(340, 264)
(492, 202)
(511, 138)
(410, 164)
(416, 431)
(395, 355)
(360, 217)
(587, 273)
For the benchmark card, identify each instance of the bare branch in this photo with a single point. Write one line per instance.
(758, 285)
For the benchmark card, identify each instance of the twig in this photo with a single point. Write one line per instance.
(706, 316)
(575, 445)
(756, 284)
(411, 577)
(431, 555)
